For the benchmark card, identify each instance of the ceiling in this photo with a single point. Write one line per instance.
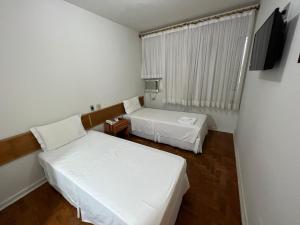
(143, 15)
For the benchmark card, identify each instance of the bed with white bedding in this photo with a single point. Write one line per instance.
(117, 182)
(165, 127)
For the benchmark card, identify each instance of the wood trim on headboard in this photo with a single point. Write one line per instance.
(17, 146)
(20, 145)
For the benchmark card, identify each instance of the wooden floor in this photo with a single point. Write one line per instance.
(211, 200)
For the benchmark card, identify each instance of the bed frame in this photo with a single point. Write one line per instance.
(20, 145)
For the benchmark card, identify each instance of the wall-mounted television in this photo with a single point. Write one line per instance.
(268, 42)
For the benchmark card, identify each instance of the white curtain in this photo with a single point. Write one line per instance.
(153, 57)
(176, 66)
(204, 64)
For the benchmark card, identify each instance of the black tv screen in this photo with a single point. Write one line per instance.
(268, 43)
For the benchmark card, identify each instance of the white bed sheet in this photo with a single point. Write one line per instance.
(163, 126)
(117, 182)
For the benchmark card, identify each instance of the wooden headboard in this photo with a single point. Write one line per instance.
(17, 146)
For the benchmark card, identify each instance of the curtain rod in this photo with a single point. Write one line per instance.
(216, 16)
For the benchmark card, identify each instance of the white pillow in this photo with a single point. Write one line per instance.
(132, 105)
(55, 135)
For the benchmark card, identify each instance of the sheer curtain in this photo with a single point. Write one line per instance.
(204, 64)
(176, 66)
(153, 57)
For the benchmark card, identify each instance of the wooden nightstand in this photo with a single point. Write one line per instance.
(118, 128)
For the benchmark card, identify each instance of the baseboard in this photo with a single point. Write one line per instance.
(240, 185)
(22, 193)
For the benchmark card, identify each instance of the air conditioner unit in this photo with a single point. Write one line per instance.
(152, 85)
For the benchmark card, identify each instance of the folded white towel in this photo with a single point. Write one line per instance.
(186, 120)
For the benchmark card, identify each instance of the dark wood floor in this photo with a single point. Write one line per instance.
(211, 200)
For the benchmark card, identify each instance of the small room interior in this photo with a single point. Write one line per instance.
(149, 112)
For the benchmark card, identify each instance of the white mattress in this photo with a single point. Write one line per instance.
(117, 182)
(163, 126)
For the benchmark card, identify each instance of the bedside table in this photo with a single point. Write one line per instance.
(119, 127)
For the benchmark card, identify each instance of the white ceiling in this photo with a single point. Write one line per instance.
(142, 15)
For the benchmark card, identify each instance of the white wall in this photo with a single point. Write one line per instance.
(219, 120)
(55, 60)
(267, 138)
